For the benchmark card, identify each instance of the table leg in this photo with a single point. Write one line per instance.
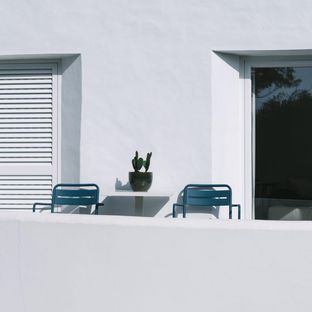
(138, 205)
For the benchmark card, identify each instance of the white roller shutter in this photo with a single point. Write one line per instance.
(28, 134)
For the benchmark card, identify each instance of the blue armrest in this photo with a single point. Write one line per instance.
(239, 209)
(41, 204)
(174, 211)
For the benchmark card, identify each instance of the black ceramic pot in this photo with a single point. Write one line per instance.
(140, 181)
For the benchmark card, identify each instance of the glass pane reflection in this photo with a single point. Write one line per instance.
(283, 159)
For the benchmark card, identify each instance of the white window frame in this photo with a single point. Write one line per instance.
(247, 63)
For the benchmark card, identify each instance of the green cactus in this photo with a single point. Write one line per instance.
(138, 163)
(147, 162)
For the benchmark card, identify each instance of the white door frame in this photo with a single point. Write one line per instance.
(249, 116)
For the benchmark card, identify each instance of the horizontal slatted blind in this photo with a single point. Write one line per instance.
(26, 116)
(27, 134)
(20, 192)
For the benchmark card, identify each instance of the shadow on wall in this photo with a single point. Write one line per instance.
(119, 186)
(71, 118)
(231, 60)
(125, 206)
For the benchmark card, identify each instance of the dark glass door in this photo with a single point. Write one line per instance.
(283, 143)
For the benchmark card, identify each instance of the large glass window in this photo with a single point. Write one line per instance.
(283, 142)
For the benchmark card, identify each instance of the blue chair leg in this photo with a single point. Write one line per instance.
(174, 212)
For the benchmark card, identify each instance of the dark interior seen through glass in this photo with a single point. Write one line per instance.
(283, 143)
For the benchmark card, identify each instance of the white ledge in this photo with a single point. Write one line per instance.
(158, 222)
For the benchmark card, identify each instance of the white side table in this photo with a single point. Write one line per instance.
(138, 197)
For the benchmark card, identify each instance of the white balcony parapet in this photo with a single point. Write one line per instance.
(75, 263)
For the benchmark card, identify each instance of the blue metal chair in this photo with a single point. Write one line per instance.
(73, 195)
(206, 195)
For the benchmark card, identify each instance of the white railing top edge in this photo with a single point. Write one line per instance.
(157, 222)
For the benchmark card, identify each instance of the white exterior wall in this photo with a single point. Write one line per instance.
(69, 263)
(147, 78)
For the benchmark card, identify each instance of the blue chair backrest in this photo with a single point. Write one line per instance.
(207, 195)
(75, 194)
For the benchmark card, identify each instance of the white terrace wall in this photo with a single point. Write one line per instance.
(69, 263)
(147, 78)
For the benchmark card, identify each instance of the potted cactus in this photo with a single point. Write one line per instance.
(141, 181)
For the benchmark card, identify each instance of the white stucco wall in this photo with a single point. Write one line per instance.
(147, 77)
(77, 263)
